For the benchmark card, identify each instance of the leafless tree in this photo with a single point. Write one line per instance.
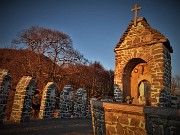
(175, 83)
(52, 43)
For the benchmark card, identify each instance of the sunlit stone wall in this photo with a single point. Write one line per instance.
(23, 99)
(48, 101)
(124, 119)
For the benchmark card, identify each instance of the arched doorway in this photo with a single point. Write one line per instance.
(144, 92)
(135, 71)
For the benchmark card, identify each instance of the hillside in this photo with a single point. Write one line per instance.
(21, 62)
(93, 77)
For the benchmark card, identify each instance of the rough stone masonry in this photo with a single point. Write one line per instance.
(143, 57)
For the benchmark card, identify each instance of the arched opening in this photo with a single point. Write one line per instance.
(135, 71)
(144, 92)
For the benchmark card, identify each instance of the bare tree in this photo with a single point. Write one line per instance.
(52, 43)
(175, 83)
(61, 51)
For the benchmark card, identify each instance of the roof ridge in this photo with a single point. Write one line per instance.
(157, 37)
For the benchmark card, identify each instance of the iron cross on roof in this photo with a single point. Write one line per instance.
(135, 9)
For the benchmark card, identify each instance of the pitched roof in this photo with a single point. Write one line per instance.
(142, 34)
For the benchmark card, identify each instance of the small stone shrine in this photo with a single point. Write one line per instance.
(143, 64)
(143, 78)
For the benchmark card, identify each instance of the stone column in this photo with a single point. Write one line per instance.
(118, 97)
(5, 83)
(66, 102)
(23, 99)
(48, 101)
(80, 104)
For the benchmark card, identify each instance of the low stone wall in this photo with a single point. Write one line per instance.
(124, 119)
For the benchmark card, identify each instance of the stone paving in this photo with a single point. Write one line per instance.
(49, 127)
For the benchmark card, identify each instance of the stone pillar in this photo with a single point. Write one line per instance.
(5, 83)
(117, 94)
(88, 110)
(23, 100)
(66, 102)
(80, 103)
(48, 101)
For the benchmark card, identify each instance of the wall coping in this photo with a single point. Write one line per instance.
(135, 109)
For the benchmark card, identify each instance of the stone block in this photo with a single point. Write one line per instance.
(120, 129)
(110, 117)
(158, 130)
(123, 120)
(140, 131)
(111, 129)
(134, 122)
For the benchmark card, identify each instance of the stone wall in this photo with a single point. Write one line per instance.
(48, 101)
(124, 119)
(5, 84)
(23, 99)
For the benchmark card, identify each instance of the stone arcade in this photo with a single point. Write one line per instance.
(22, 104)
(143, 77)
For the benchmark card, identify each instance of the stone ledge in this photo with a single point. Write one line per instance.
(135, 109)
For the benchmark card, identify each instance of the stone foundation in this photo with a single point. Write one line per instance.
(124, 119)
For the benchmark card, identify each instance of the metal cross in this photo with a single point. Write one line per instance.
(135, 9)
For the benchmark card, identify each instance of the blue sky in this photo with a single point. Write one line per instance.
(95, 26)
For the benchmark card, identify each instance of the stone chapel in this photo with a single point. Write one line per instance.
(143, 64)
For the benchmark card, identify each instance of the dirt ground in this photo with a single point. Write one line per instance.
(49, 127)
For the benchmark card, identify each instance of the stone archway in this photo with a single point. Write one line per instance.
(135, 71)
(48, 101)
(23, 99)
(127, 75)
